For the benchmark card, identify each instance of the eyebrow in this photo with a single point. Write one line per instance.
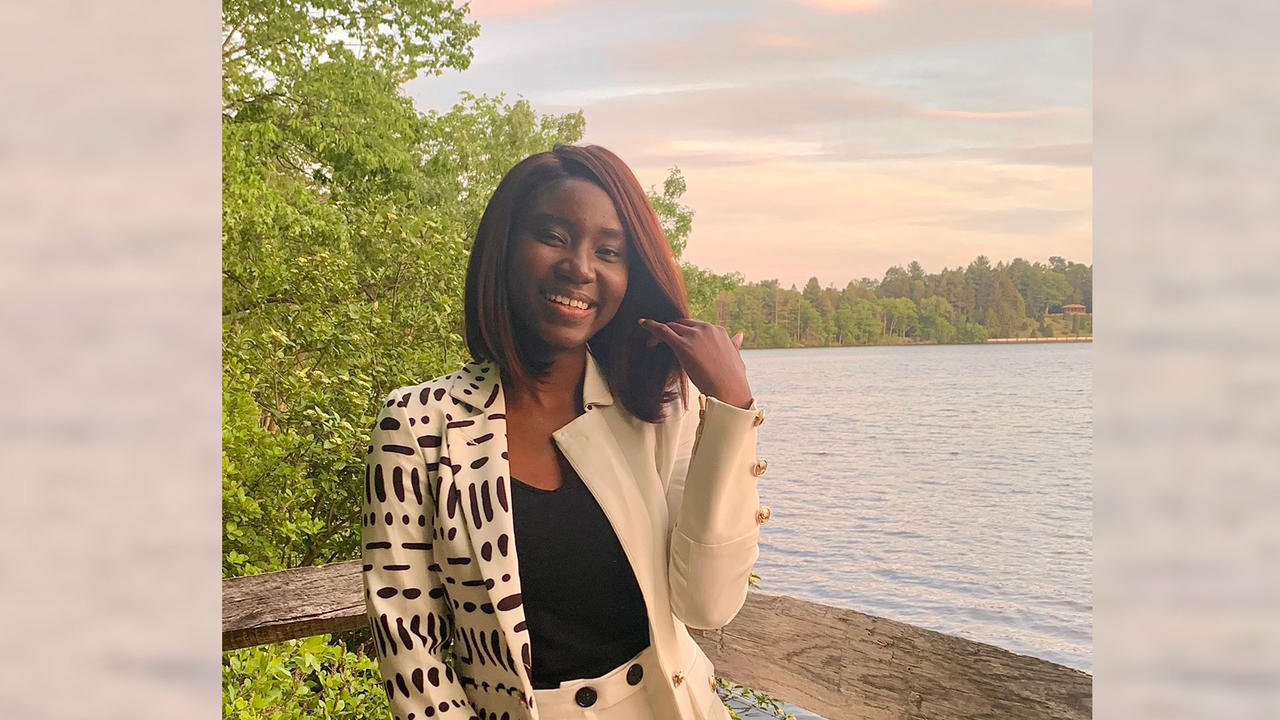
(611, 233)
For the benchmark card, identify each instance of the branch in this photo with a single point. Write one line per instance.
(239, 26)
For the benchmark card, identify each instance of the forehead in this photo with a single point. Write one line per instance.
(575, 201)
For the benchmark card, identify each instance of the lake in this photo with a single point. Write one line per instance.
(946, 486)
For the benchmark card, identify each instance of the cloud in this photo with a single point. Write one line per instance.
(482, 9)
(843, 7)
(775, 41)
(790, 219)
(1005, 115)
(1063, 155)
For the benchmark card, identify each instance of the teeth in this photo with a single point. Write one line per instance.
(568, 301)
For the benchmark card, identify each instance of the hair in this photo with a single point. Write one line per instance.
(644, 379)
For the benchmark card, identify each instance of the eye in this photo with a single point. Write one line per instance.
(550, 238)
(609, 253)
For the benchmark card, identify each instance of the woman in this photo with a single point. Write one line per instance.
(554, 512)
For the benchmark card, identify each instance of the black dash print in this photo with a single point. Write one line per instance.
(475, 506)
(379, 485)
(401, 449)
(395, 568)
(510, 602)
(389, 423)
(397, 482)
(377, 546)
(439, 393)
(387, 592)
(429, 441)
(416, 482)
(486, 501)
(461, 423)
(501, 487)
(414, 545)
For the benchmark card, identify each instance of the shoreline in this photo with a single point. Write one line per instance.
(989, 341)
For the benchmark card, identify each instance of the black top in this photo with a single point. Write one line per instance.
(582, 604)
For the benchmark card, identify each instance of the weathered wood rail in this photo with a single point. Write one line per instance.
(840, 664)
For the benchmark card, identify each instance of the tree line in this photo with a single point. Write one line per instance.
(965, 304)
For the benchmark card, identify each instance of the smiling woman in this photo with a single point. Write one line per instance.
(561, 543)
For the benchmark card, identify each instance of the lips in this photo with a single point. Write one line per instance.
(574, 300)
(560, 312)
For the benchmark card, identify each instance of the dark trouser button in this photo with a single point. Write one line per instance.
(634, 673)
(585, 697)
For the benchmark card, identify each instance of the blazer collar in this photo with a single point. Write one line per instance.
(478, 386)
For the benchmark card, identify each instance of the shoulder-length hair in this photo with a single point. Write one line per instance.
(642, 378)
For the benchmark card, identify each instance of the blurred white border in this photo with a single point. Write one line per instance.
(1187, 195)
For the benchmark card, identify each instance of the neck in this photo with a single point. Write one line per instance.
(560, 388)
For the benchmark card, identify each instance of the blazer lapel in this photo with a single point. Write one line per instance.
(475, 441)
(592, 449)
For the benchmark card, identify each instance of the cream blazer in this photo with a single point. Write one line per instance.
(440, 561)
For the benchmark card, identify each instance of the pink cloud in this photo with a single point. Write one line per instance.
(505, 8)
(843, 7)
(780, 42)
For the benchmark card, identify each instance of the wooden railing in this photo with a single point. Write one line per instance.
(840, 664)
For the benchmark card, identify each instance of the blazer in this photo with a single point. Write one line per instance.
(439, 558)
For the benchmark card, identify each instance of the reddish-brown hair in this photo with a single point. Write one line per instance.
(642, 378)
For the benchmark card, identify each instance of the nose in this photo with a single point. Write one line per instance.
(578, 265)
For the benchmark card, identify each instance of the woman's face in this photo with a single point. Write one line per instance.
(567, 268)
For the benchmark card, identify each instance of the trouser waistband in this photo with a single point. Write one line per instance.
(604, 691)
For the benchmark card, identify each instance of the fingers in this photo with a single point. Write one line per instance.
(737, 340)
(661, 332)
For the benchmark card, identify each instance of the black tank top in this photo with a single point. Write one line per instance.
(582, 604)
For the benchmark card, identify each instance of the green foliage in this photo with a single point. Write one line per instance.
(301, 680)
(960, 305)
(738, 699)
(676, 219)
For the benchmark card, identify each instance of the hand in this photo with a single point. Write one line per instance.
(708, 355)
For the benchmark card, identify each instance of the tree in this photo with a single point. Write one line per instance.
(935, 320)
(896, 283)
(980, 276)
(901, 316)
(676, 219)
(1007, 308)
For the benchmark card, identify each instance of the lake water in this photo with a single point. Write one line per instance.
(947, 486)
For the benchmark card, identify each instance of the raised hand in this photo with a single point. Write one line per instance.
(708, 355)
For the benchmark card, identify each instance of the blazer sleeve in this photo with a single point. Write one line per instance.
(405, 599)
(713, 501)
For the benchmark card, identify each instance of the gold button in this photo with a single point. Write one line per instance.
(678, 678)
(758, 468)
(759, 419)
(763, 515)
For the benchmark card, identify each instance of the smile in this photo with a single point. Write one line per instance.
(567, 302)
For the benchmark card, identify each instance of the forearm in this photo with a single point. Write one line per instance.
(714, 541)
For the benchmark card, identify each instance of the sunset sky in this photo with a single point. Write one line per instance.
(822, 137)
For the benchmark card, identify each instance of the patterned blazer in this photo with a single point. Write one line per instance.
(440, 565)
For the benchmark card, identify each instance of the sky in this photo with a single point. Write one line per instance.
(827, 138)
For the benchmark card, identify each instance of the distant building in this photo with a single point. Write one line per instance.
(1073, 309)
